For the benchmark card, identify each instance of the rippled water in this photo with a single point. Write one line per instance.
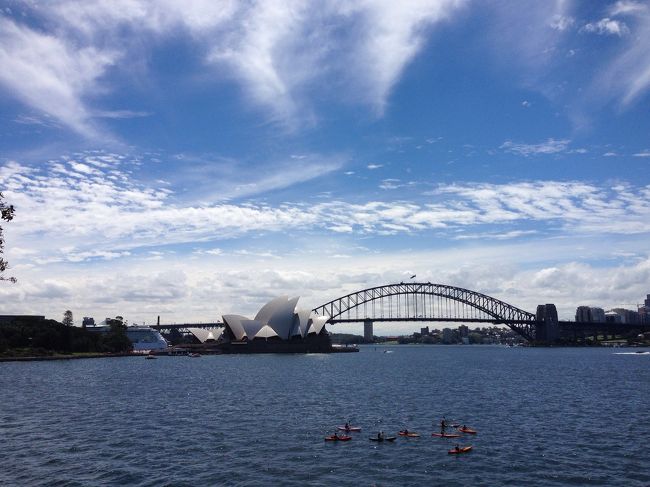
(545, 417)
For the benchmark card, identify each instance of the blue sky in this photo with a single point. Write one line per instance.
(188, 159)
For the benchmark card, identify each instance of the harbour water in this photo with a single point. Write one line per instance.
(545, 417)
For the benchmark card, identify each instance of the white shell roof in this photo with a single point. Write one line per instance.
(204, 335)
(265, 313)
(303, 321)
(234, 322)
(282, 318)
(278, 317)
(251, 327)
(266, 332)
(317, 324)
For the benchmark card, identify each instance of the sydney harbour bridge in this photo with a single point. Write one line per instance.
(428, 302)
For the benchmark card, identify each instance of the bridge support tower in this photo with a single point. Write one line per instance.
(368, 332)
(547, 329)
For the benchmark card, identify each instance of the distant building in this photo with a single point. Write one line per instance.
(628, 316)
(583, 314)
(424, 331)
(447, 335)
(597, 315)
(87, 321)
(613, 317)
(647, 302)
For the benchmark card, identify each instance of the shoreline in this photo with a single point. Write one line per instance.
(67, 357)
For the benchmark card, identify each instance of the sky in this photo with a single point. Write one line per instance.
(193, 159)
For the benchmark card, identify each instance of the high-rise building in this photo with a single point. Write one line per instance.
(647, 301)
(583, 314)
(463, 331)
(597, 315)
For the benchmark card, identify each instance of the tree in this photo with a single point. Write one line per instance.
(7, 212)
(67, 318)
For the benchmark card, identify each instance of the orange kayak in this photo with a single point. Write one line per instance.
(338, 438)
(464, 449)
(409, 434)
(469, 431)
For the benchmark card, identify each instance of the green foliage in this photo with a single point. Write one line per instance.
(26, 336)
(6, 214)
(67, 318)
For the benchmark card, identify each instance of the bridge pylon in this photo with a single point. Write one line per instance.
(368, 332)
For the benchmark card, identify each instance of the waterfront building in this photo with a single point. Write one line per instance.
(424, 331)
(613, 317)
(447, 335)
(278, 327)
(583, 314)
(628, 316)
(597, 315)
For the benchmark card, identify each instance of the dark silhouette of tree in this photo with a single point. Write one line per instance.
(67, 318)
(7, 212)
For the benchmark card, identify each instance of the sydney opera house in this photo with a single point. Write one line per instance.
(278, 327)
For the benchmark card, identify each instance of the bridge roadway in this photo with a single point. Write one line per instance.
(430, 302)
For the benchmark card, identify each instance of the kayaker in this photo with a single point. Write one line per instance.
(443, 425)
(347, 426)
(457, 447)
(380, 435)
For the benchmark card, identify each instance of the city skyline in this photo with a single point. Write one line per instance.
(195, 160)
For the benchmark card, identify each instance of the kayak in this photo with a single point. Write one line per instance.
(388, 438)
(351, 428)
(469, 431)
(338, 438)
(410, 434)
(445, 435)
(464, 449)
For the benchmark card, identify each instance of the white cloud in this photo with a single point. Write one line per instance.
(551, 146)
(278, 51)
(50, 74)
(374, 166)
(607, 26)
(627, 75)
(643, 153)
(93, 218)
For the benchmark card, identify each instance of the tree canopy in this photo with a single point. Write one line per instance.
(7, 214)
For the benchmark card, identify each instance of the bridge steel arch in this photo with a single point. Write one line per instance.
(415, 301)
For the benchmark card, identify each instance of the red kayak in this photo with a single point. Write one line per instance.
(445, 435)
(409, 434)
(350, 428)
(338, 438)
(469, 431)
(456, 451)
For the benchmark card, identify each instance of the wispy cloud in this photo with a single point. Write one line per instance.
(551, 146)
(643, 153)
(278, 51)
(49, 74)
(73, 210)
